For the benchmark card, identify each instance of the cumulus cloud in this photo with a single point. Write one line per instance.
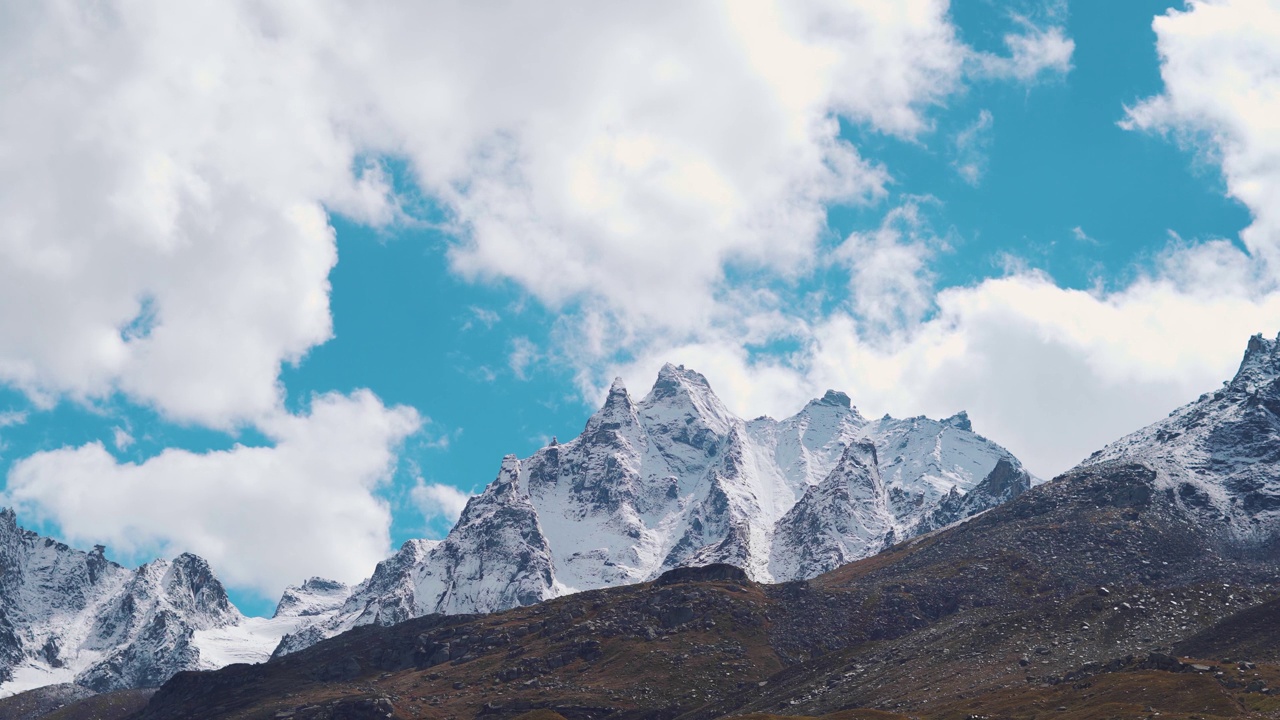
(168, 167)
(889, 279)
(643, 151)
(161, 221)
(263, 516)
(1222, 97)
(437, 500)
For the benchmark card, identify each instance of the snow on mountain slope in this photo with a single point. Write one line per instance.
(806, 446)
(677, 479)
(316, 596)
(837, 521)
(674, 479)
(922, 460)
(69, 615)
(1217, 456)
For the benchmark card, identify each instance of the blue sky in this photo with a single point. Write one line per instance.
(288, 318)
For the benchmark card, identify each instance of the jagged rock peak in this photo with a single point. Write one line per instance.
(959, 421)
(1006, 479)
(618, 407)
(674, 379)
(319, 584)
(96, 563)
(1261, 363)
(189, 580)
(8, 517)
(509, 473)
(834, 398)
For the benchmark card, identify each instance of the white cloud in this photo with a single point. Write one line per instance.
(971, 147)
(1079, 235)
(263, 516)
(12, 418)
(163, 169)
(889, 280)
(1034, 53)
(645, 150)
(1222, 96)
(166, 168)
(121, 438)
(436, 500)
(523, 354)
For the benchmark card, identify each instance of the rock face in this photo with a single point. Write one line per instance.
(676, 480)
(72, 616)
(1217, 456)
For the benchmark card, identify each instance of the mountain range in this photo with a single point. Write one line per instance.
(1141, 584)
(661, 544)
(672, 480)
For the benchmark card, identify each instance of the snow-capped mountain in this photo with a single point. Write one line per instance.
(1217, 456)
(674, 479)
(68, 615)
(677, 479)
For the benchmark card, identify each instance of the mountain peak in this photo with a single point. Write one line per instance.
(681, 396)
(617, 406)
(1260, 365)
(959, 421)
(835, 398)
(673, 378)
(507, 482)
(314, 597)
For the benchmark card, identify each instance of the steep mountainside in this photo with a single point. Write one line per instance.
(1067, 600)
(1219, 455)
(67, 615)
(1077, 587)
(676, 479)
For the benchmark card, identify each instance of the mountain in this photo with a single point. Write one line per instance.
(676, 479)
(1217, 456)
(672, 480)
(72, 616)
(1140, 584)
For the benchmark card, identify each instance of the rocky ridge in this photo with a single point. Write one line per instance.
(72, 616)
(676, 479)
(1109, 592)
(1218, 456)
